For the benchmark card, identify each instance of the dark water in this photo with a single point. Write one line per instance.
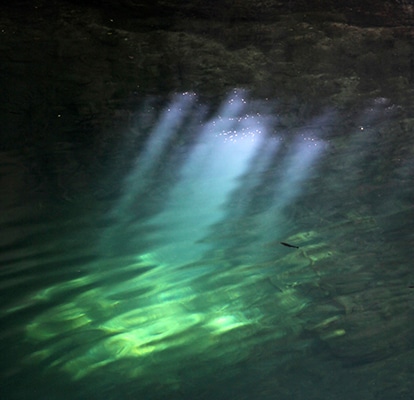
(166, 278)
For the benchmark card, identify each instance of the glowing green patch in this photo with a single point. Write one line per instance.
(226, 323)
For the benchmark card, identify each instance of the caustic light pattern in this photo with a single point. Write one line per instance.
(206, 282)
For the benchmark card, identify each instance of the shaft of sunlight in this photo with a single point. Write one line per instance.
(221, 155)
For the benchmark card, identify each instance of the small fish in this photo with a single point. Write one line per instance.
(289, 245)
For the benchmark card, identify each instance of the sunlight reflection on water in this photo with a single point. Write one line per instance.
(182, 294)
(197, 275)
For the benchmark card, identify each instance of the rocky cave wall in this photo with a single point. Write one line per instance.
(80, 71)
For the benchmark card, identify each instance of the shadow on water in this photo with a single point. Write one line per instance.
(178, 285)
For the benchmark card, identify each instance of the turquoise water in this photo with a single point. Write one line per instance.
(168, 278)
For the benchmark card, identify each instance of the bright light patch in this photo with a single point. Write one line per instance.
(194, 285)
(222, 154)
(226, 323)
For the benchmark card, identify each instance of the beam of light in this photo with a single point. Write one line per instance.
(221, 155)
(297, 167)
(180, 295)
(152, 154)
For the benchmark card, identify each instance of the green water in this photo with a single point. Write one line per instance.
(170, 280)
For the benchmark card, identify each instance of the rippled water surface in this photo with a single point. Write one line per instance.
(230, 258)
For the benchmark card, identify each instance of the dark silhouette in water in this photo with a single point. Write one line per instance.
(289, 245)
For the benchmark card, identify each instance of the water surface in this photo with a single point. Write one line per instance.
(167, 278)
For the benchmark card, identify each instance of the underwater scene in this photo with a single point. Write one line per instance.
(218, 253)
